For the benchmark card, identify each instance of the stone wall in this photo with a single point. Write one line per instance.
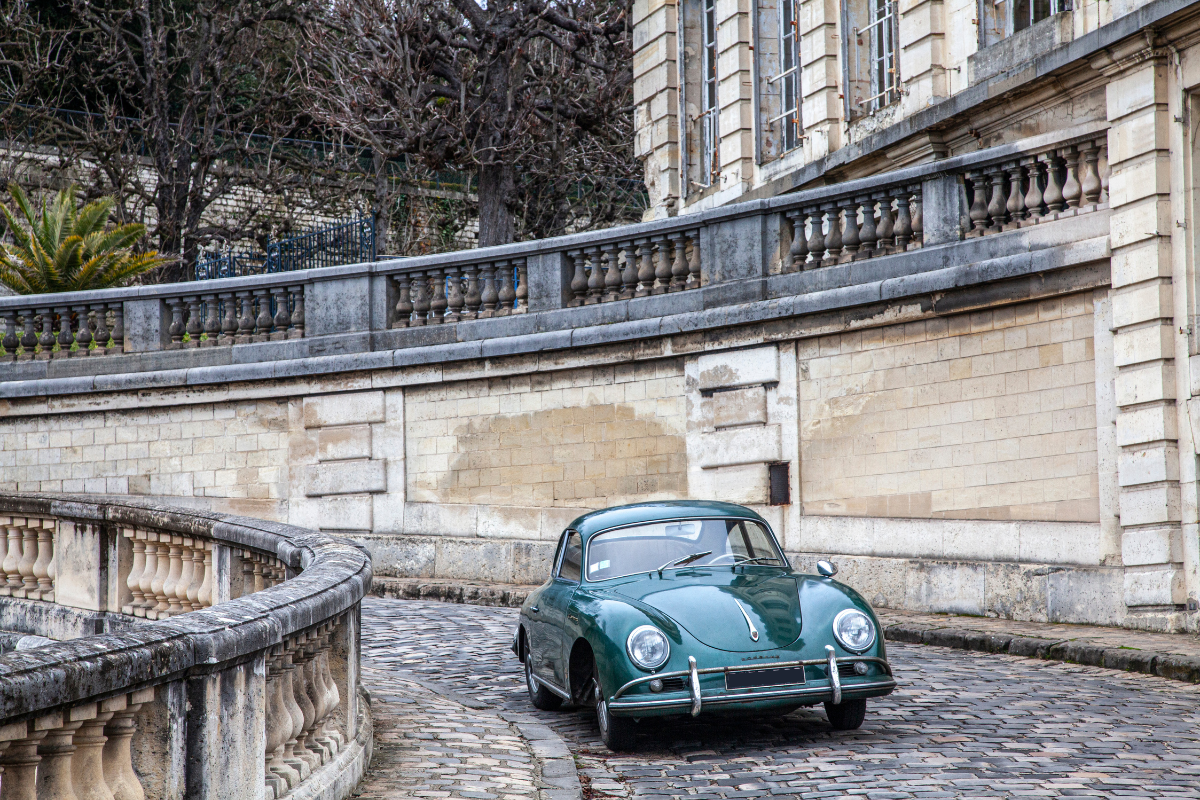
(988, 415)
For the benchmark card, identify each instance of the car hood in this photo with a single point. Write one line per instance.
(706, 603)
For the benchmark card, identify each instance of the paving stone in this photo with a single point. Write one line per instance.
(962, 724)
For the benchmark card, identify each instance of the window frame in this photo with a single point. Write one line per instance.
(870, 56)
(790, 102)
(563, 555)
(710, 99)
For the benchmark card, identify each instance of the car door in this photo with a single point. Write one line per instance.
(540, 638)
(554, 602)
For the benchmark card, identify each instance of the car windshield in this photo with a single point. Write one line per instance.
(679, 543)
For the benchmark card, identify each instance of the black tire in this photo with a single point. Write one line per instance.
(847, 715)
(618, 733)
(541, 697)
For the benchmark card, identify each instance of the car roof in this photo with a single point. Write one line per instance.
(661, 510)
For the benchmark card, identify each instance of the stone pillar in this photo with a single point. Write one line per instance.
(656, 102)
(1144, 326)
(822, 110)
(922, 54)
(226, 730)
(735, 86)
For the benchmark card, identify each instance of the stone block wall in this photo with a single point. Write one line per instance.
(987, 415)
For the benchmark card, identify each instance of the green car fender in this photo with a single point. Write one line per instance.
(605, 622)
(822, 600)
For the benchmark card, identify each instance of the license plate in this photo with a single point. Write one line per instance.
(759, 678)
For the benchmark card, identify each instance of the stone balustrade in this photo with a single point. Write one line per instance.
(28, 567)
(245, 684)
(723, 257)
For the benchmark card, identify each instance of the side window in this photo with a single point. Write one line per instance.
(557, 554)
(570, 569)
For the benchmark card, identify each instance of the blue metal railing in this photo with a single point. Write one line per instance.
(350, 242)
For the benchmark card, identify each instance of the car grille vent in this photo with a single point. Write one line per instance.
(846, 671)
(673, 684)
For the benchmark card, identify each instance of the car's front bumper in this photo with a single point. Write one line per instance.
(834, 688)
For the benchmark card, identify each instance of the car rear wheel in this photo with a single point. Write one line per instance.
(541, 697)
(617, 733)
(847, 715)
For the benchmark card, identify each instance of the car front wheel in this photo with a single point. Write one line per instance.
(617, 733)
(847, 715)
(541, 697)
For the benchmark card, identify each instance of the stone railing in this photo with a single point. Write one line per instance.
(721, 257)
(245, 686)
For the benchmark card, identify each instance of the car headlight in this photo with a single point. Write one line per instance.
(648, 647)
(854, 630)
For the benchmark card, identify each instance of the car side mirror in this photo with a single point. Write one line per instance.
(827, 569)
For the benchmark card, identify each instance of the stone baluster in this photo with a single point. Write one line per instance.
(20, 763)
(247, 573)
(1016, 196)
(177, 327)
(186, 572)
(316, 695)
(101, 337)
(9, 340)
(662, 266)
(264, 320)
(283, 315)
(204, 597)
(1072, 191)
(918, 220)
(226, 318)
(437, 302)
(66, 337)
(522, 268)
(998, 205)
(868, 233)
(612, 274)
(29, 584)
(816, 237)
(595, 284)
(12, 558)
(310, 756)
(903, 221)
(281, 778)
(320, 695)
(171, 584)
(210, 326)
(454, 300)
(245, 330)
(296, 322)
(474, 297)
(162, 570)
(45, 558)
(118, 755)
(146, 580)
(507, 294)
(1090, 184)
(850, 238)
(29, 339)
(978, 209)
(133, 581)
(329, 731)
(579, 280)
(46, 339)
(1053, 194)
(693, 279)
(489, 298)
(87, 763)
(194, 325)
(629, 275)
(404, 305)
(645, 268)
(54, 781)
(679, 267)
(116, 334)
(290, 756)
(833, 238)
(1103, 169)
(83, 332)
(259, 578)
(420, 298)
(1033, 194)
(798, 248)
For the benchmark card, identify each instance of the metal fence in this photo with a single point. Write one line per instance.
(350, 242)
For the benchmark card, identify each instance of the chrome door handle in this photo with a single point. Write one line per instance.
(533, 609)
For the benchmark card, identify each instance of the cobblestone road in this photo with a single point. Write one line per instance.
(961, 725)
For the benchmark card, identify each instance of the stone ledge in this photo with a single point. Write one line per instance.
(476, 594)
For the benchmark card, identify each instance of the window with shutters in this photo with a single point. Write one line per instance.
(699, 109)
(790, 98)
(710, 144)
(999, 19)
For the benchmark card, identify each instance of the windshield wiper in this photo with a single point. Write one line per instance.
(757, 560)
(683, 560)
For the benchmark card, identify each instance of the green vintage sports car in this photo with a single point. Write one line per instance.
(691, 607)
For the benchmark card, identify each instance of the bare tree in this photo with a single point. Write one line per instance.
(174, 106)
(530, 95)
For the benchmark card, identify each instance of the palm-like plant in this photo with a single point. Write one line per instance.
(67, 249)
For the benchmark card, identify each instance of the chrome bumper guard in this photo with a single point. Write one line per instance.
(697, 701)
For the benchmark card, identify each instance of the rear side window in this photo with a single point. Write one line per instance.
(572, 558)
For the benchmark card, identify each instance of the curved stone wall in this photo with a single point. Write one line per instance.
(243, 682)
